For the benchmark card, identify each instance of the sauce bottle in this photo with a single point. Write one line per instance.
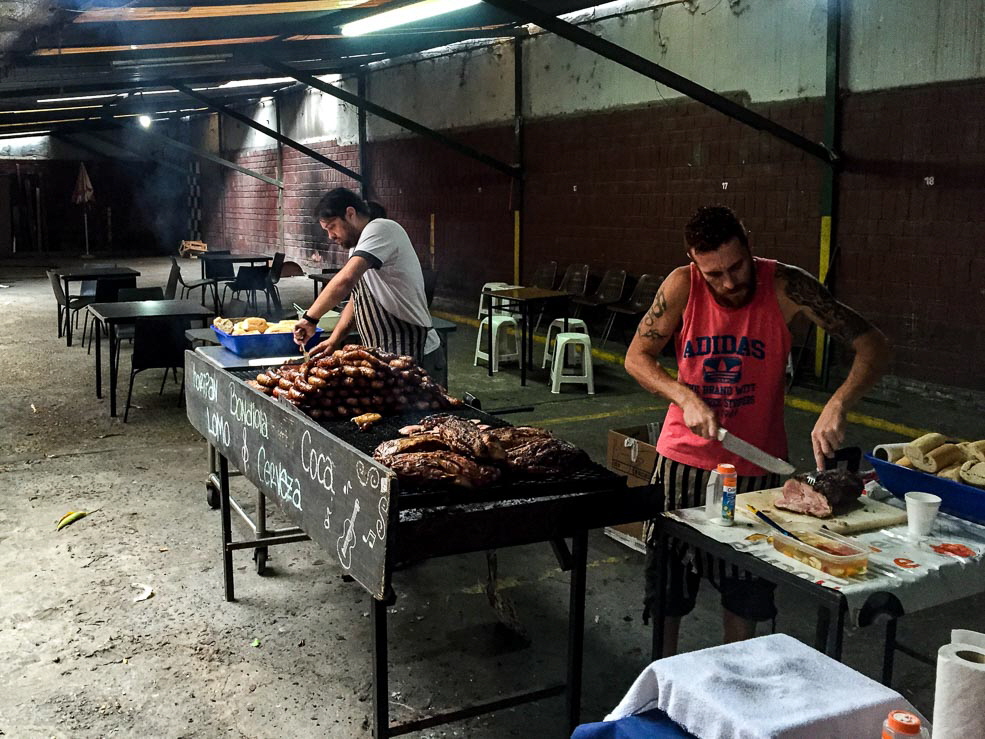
(903, 725)
(720, 495)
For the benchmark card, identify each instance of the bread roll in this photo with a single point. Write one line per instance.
(922, 446)
(976, 450)
(224, 324)
(973, 473)
(253, 323)
(904, 462)
(951, 473)
(936, 459)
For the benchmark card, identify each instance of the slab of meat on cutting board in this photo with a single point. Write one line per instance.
(831, 490)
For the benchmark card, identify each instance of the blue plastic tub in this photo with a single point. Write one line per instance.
(253, 346)
(963, 501)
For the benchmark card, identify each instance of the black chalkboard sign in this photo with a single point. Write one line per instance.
(337, 495)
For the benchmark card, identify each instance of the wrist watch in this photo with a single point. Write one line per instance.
(309, 319)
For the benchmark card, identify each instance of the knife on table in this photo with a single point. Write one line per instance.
(754, 454)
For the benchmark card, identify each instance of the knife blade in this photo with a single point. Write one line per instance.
(753, 454)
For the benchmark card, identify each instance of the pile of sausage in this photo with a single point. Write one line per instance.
(353, 381)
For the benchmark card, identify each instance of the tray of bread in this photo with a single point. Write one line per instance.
(254, 336)
(932, 464)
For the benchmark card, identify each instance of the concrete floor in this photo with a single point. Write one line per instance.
(292, 657)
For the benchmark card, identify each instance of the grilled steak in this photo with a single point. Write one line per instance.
(464, 437)
(832, 489)
(512, 436)
(543, 456)
(441, 467)
(426, 442)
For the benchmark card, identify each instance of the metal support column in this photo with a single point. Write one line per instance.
(363, 153)
(576, 627)
(381, 690)
(518, 189)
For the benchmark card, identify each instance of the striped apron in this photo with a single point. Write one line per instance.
(380, 329)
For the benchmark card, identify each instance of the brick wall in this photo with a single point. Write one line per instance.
(614, 189)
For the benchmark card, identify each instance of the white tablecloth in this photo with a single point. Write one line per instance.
(946, 566)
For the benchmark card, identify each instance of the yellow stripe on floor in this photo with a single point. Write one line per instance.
(800, 404)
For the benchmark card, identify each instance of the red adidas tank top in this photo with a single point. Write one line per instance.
(734, 359)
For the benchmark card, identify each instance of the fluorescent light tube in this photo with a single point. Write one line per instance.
(406, 14)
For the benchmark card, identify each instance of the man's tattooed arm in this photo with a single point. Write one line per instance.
(836, 318)
(647, 328)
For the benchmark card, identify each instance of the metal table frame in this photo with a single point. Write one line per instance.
(251, 259)
(98, 274)
(524, 298)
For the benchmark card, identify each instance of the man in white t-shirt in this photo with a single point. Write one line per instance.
(383, 276)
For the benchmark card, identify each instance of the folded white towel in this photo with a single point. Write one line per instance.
(772, 687)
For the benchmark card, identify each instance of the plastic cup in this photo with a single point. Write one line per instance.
(921, 510)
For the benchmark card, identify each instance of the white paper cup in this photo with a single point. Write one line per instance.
(921, 510)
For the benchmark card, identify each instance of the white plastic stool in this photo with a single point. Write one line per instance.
(498, 303)
(557, 368)
(557, 326)
(498, 323)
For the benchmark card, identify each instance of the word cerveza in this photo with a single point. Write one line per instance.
(275, 476)
(247, 412)
(702, 346)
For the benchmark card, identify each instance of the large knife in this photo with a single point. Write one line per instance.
(754, 454)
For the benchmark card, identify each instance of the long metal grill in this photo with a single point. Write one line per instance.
(589, 478)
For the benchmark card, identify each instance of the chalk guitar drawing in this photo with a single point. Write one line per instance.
(379, 529)
(347, 542)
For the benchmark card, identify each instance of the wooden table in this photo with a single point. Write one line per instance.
(525, 298)
(99, 274)
(318, 281)
(114, 314)
(251, 259)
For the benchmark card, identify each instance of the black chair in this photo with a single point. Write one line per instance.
(251, 280)
(158, 343)
(544, 276)
(187, 287)
(430, 283)
(126, 295)
(608, 292)
(291, 269)
(274, 273)
(173, 276)
(638, 303)
(67, 308)
(574, 282)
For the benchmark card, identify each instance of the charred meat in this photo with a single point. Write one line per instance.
(426, 442)
(442, 467)
(831, 490)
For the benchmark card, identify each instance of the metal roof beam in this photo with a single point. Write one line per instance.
(579, 36)
(277, 136)
(73, 140)
(395, 118)
(181, 146)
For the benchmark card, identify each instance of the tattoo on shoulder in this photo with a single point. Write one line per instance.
(836, 318)
(646, 328)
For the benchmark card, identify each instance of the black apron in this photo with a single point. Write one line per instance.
(378, 328)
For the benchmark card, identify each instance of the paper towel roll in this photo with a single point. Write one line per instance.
(889, 452)
(960, 692)
(964, 636)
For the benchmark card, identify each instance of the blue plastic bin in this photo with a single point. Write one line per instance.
(253, 346)
(963, 501)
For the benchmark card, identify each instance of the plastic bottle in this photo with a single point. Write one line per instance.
(903, 725)
(720, 495)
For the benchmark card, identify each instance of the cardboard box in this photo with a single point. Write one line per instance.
(632, 452)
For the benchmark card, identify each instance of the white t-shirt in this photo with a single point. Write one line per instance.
(395, 280)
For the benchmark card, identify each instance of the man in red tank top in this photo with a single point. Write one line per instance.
(728, 312)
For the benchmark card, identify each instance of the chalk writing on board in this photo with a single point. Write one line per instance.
(319, 466)
(347, 541)
(244, 451)
(217, 427)
(206, 384)
(328, 517)
(379, 528)
(247, 412)
(368, 476)
(275, 476)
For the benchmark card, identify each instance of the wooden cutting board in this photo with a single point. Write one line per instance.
(866, 516)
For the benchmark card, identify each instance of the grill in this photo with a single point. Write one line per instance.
(590, 478)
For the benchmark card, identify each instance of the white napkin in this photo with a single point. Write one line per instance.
(770, 687)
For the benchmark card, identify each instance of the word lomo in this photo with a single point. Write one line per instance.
(337, 495)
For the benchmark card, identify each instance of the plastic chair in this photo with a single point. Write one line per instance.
(158, 343)
(564, 342)
(639, 302)
(557, 327)
(291, 269)
(501, 320)
(251, 280)
(609, 291)
(67, 308)
(544, 276)
(574, 282)
(187, 287)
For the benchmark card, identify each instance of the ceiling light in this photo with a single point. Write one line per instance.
(73, 99)
(406, 14)
(144, 121)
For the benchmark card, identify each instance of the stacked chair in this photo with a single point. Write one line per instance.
(501, 320)
(639, 302)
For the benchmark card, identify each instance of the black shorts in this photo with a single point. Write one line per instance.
(681, 486)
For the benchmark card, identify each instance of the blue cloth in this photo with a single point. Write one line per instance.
(653, 724)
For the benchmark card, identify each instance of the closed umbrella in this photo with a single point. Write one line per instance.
(83, 195)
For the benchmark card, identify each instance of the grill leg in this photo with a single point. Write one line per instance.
(227, 528)
(381, 689)
(889, 653)
(576, 627)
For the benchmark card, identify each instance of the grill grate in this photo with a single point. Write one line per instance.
(592, 477)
